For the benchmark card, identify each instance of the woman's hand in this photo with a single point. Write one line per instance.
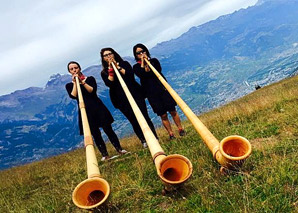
(74, 77)
(116, 63)
(81, 81)
(144, 56)
(144, 63)
(110, 61)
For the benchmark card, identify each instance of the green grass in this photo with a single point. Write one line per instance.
(267, 181)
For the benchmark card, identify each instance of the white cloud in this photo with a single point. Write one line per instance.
(40, 37)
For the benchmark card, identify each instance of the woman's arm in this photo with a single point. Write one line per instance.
(126, 70)
(141, 72)
(90, 84)
(87, 87)
(107, 79)
(122, 67)
(71, 90)
(155, 63)
(74, 91)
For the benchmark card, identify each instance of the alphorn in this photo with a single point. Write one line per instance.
(230, 152)
(174, 169)
(93, 191)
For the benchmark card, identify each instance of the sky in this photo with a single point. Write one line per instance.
(39, 37)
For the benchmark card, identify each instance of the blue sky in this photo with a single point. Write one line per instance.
(40, 37)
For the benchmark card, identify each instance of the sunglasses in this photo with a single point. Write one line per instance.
(140, 52)
(108, 54)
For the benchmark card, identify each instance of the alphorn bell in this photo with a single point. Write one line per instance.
(93, 191)
(230, 152)
(172, 169)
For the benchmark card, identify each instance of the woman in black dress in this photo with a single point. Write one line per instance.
(97, 113)
(158, 97)
(117, 95)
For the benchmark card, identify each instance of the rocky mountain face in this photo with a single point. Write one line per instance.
(208, 66)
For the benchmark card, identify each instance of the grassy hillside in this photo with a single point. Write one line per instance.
(267, 183)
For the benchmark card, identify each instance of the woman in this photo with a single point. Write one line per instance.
(117, 95)
(158, 97)
(97, 113)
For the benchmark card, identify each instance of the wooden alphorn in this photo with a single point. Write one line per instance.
(230, 152)
(172, 169)
(93, 191)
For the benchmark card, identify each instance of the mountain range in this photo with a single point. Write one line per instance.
(208, 66)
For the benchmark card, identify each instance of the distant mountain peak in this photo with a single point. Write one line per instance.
(54, 76)
(57, 79)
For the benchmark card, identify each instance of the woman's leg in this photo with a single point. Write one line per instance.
(112, 136)
(99, 141)
(166, 123)
(128, 113)
(177, 121)
(143, 108)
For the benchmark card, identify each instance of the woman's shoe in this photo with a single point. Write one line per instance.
(105, 158)
(145, 145)
(172, 137)
(122, 152)
(181, 132)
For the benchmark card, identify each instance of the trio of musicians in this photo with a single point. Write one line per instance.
(97, 113)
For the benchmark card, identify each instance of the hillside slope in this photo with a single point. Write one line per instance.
(210, 65)
(267, 183)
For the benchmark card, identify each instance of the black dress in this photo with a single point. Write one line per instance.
(159, 98)
(120, 101)
(97, 113)
(98, 116)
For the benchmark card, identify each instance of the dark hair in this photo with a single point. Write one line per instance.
(140, 46)
(73, 62)
(116, 56)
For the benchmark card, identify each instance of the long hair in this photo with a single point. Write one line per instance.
(73, 62)
(143, 48)
(116, 56)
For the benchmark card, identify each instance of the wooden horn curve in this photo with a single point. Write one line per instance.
(172, 169)
(230, 152)
(93, 191)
